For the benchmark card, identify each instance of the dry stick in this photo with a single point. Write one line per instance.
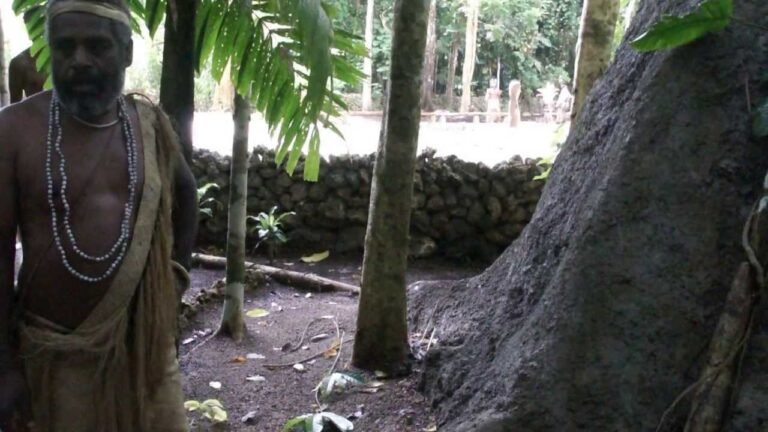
(293, 278)
(304, 335)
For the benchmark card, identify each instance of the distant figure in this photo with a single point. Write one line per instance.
(548, 94)
(563, 105)
(492, 102)
(514, 103)
(23, 77)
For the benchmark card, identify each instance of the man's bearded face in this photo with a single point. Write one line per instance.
(87, 63)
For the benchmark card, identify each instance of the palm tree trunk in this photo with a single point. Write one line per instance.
(381, 341)
(368, 60)
(177, 83)
(232, 321)
(470, 51)
(430, 60)
(450, 83)
(4, 97)
(593, 51)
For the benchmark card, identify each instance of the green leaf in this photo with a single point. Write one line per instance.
(760, 124)
(154, 11)
(671, 31)
(191, 405)
(315, 257)
(257, 313)
(299, 422)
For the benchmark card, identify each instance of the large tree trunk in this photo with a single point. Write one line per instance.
(232, 321)
(177, 82)
(598, 316)
(4, 95)
(368, 60)
(470, 49)
(594, 48)
(430, 60)
(450, 82)
(381, 341)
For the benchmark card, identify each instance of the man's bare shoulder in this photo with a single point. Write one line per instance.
(23, 118)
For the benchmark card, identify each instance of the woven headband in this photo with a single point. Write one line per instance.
(99, 9)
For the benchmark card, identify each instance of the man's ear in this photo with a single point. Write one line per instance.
(129, 53)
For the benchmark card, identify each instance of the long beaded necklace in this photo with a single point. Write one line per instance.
(118, 249)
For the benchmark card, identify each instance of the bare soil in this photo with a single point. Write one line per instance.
(285, 392)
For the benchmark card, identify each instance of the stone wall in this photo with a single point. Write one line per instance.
(461, 210)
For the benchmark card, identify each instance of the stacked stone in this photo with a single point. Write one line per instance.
(460, 209)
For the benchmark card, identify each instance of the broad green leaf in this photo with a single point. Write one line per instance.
(760, 125)
(257, 313)
(671, 31)
(315, 257)
(299, 423)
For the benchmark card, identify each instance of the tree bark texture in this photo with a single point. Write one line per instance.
(4, 94)
(598, 316)
(470, 54)
(594, 48)
(232, 321)
(430, 60)
(177, 81)
(450, 82)
(368, 60)
(381, 341)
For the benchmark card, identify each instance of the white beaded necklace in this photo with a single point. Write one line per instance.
(118, 249)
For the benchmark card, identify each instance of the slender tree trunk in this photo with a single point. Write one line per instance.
(381, 341)
(232, 321)
(177, 83)
(470, 48)
(368, 60)
(430, 60)
(594, 48)
(450, 83)
(4, 95)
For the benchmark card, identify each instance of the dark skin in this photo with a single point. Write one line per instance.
(97, 190)
(24, 79)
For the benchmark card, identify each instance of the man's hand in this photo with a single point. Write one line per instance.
(13, 394)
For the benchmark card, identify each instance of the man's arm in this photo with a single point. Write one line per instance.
(184, 213)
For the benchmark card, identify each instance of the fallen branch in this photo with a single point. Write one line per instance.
(296, 279)
(304, 360)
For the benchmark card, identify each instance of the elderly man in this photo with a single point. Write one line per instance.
(104, 202)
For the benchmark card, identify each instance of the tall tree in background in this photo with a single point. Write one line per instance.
(381, 340)
(594, 48)
(368, 60)
(232, 320)
(430, 60)
(453, 60)
(4, 95)
(177, 83)
(470, 48)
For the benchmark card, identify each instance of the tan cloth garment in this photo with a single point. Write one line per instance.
(117, 371)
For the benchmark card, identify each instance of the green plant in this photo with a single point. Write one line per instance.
(269, 227)
(209, 204)
(211, 409)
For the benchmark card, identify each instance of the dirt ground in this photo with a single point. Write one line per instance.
(283, 392)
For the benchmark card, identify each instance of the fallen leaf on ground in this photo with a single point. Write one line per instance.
(215, 384)
(431, 428)
(318, 338)
(239, 360)
(254, 356)
(257, 313)
(249, 418)
(315, 257)
(255, 378)
(308, 295)
(299, 367)
(333, 351)
(380, 374)
(187, 341)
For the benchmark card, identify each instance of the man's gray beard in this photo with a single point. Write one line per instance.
(90, 107)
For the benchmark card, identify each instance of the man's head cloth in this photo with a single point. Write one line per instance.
(105, 10)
